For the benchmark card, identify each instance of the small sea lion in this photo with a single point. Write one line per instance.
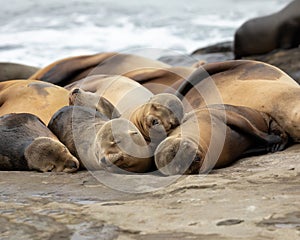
(30, 96)
(158, 117)
(79, 97)
(27, 144)
(124, 93)
(215, 137)
(85, 132)
(246, 83)
(123, 148)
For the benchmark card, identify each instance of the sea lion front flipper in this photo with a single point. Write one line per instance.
(240, 123)
(46, 154)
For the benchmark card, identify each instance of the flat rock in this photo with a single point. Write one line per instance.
(256, 198)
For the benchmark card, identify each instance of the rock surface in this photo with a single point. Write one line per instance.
(256, 198)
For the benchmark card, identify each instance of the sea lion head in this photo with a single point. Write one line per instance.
(80, 97)
(178, 155)
(120, 146)
(159, 116)
(48, 155)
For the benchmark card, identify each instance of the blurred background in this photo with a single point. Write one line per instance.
(38, 32)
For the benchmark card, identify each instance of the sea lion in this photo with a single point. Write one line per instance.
(215, 137)
(85, 132)
(154, 119)
(158, 117)
(264, 34)
(68, 70)
(79, 97)
(76, 127)
(122, 147)
(9, 71)
(31, 96)
(246, 83)
(27, 144)
(124, 93)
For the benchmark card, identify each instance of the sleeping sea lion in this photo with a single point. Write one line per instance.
(215, 137)
(31, 96)
(247, 83)
(9, 71)
(27, 144)
(264, 34)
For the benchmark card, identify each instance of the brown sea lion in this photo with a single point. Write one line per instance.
(9, 71)
(158, 117)
(154, 119)
(246, 83)
(122, 147)
(215, 137)
(85, 132)
(264, 34)
(31, 96)
(27, 144)
(79, 97)
(124, 93)
(68, 70)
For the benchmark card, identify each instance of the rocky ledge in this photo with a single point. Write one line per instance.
(256, 198)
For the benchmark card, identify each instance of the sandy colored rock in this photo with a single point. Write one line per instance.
(256, 198)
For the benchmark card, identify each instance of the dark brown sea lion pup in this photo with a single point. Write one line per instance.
(79, 129)
(247, 83)
(193, 146)
(27, 144)
(264, 34)
(30, 96)
(9, 71)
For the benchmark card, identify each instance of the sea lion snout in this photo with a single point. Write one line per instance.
(177, 155)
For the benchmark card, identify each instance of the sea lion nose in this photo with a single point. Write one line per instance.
(103, 160)
(76, 90)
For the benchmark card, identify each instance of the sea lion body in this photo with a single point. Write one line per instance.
(86, 133)
(264, 34)
(124, 93)
(27, 144)
(247, 83)
(31, 96)
(9, 71)
(215, 137)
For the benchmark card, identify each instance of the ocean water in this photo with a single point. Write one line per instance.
(37, 32)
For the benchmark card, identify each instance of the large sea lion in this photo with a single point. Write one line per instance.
(247, 83)
(9, 71)
(27, 144)
(86, 133)
(215, 137)
(68, 70)
(264, 34)
(30, 96)
(158, 77)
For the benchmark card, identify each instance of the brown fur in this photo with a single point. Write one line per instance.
(215, 137)
(31, 96)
